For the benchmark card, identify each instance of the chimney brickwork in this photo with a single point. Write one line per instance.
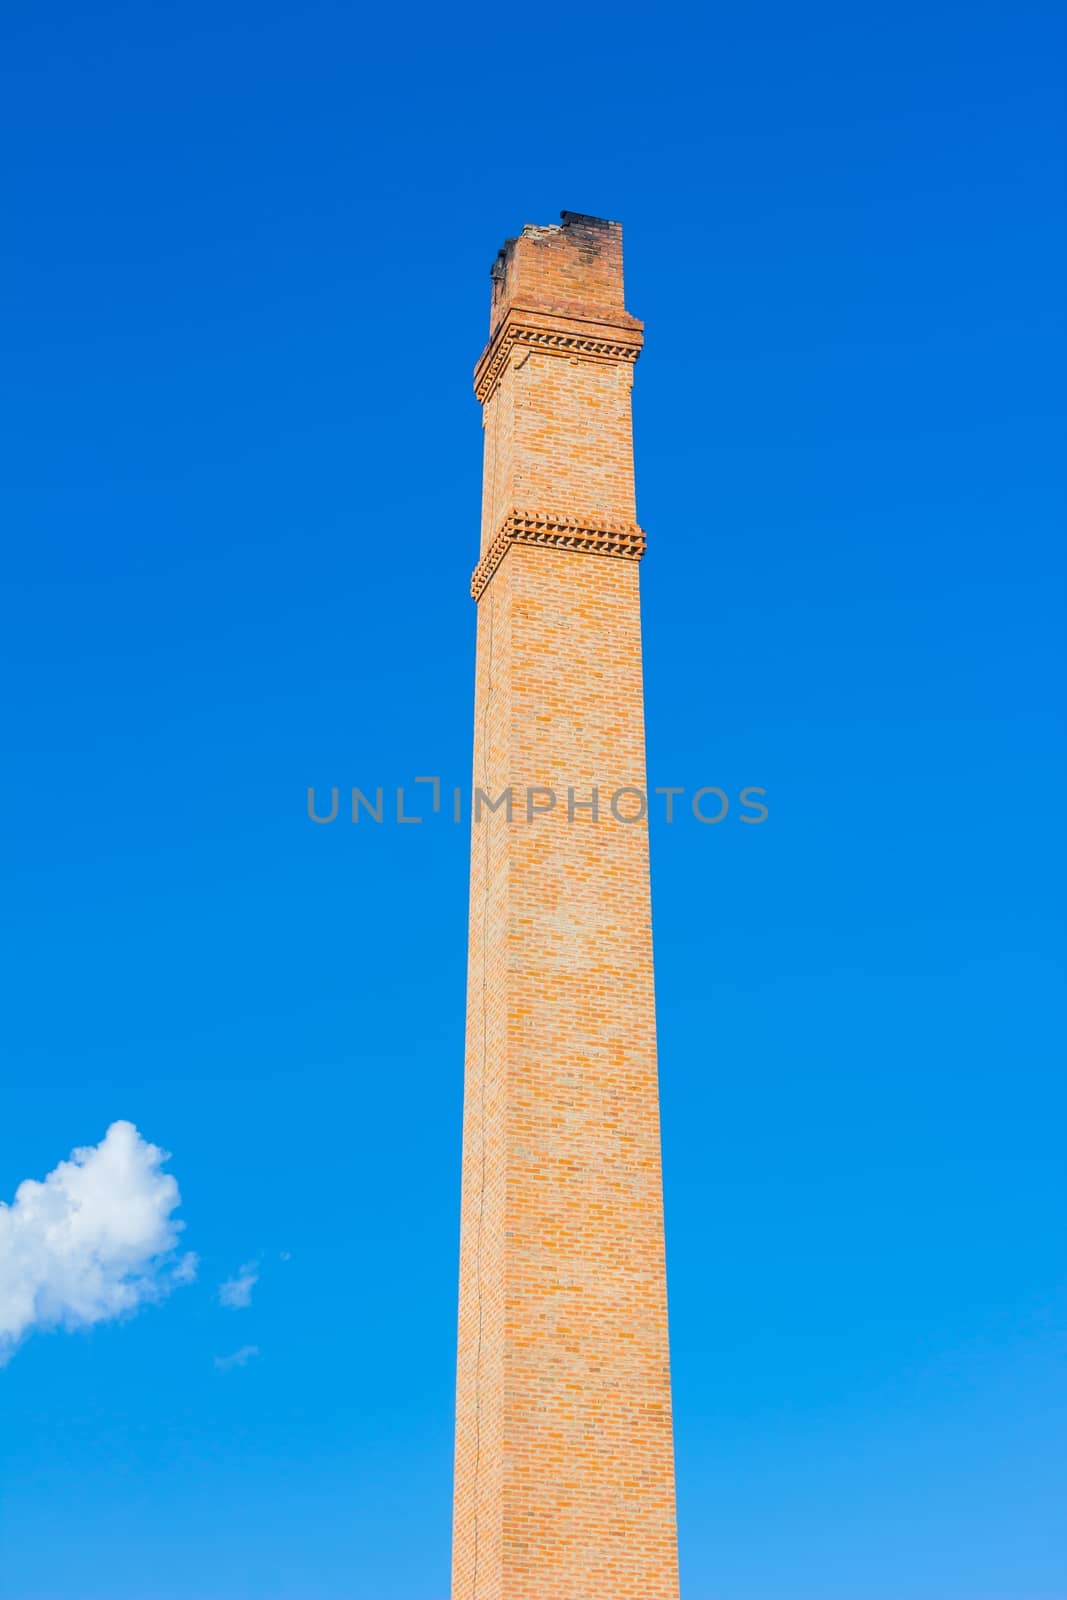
(564, 1485)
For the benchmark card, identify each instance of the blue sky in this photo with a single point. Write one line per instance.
(247, 265)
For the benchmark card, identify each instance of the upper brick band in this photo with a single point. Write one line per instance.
(573, 337)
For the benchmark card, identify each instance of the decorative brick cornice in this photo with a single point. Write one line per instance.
(572, 337)
(551, 529)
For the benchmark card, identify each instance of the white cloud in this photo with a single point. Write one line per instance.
(92, 1242)
(185, 1270)
(237, 1291)
(240, 1358)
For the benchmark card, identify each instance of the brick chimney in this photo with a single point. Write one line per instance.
(564, 1484)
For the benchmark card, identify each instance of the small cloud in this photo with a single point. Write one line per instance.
(236, 1292)
(92, 1241)
(240, 1358)
(186, 1269)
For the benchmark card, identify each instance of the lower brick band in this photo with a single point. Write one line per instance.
(587, 535)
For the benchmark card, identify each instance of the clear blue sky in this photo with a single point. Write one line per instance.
(246, 280)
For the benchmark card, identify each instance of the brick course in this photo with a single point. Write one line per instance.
(564, 1463)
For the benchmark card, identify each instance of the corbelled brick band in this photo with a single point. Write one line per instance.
(562, 533)
(571, 338)
(564, 1485)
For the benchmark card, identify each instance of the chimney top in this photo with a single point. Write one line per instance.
(572, 268)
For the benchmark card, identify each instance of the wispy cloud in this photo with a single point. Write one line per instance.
(236, 1292)
(93, 1241)
(240, 1358)
(185, 1270)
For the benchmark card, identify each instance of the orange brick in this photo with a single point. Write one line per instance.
(564, 1486)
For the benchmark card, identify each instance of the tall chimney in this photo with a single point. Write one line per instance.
(564, 1486)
